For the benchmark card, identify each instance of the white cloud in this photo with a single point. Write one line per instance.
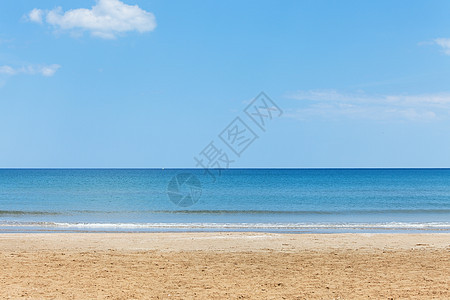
(334, 104)
(107, 19)
(7, 70)
(444, 43)
(36, 15)
(47, 70)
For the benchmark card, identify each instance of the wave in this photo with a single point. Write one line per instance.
(304, 212)
(25, 212)
(218, 226)
(231, 212)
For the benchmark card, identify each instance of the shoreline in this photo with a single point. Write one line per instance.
(183, 241)
(216, 227)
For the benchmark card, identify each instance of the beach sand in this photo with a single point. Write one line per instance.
(224, 266)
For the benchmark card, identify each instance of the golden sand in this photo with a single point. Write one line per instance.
(224, 266)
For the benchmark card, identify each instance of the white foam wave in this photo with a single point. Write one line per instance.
(275, 226)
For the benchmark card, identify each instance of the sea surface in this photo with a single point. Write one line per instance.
(270, 200)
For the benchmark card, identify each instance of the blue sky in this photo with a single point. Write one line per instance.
(137, 83)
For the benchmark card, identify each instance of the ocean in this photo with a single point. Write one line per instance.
(269, 200)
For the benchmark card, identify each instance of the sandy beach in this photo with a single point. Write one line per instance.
(224, 266)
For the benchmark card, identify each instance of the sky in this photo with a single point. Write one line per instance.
(153, 84)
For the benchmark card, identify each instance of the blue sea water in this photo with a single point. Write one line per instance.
(274, 200)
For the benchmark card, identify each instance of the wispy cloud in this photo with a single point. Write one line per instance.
(444, 44)
(335, 104)
(107, 19)
(45, 70)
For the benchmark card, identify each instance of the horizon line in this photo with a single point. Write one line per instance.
(242, 168)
